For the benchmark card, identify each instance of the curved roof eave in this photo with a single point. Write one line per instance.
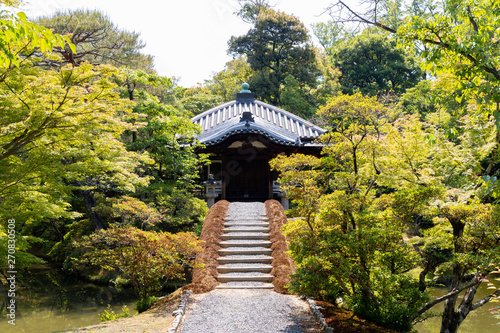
(278, 125)
(251, 128)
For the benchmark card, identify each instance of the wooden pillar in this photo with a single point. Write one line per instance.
(269, 179)
(223, 178)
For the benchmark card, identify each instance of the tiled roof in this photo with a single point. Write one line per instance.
(278, 125)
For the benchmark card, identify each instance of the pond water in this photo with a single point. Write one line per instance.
(478, 321)
(52, 302)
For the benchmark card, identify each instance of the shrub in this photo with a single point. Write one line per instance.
(148, 259)
(145, 303)
(109, 314)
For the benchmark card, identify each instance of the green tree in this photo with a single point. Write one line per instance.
(148, 259)
(60, 127)
(97, 40)
(296, 100)
(351, 242)
(460, 42)
(276, 47)
(460, 38)
(393, 195)
(198, 99)
(372, 64)
(227, 83)
(330, 34)
(250, 9)
(167, 135)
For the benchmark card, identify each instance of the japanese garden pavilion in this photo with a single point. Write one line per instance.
(241, 137)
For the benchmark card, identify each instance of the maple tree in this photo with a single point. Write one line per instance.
(148, 259)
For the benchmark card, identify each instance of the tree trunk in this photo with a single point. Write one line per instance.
(90, 203)
(449, 323)
(451, 318)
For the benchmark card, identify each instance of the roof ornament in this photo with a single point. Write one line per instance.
(245, 96)
(245, 86)
(248, 117)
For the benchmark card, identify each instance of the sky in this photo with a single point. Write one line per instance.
(188, 38)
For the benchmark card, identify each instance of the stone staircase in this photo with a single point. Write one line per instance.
(245, 254)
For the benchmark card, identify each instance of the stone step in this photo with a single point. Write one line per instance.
(236, 259)
(244, 251)
(245, 285)
(245, 235)
(240, 228)
(247, 219)
(246, 224)
(244, 243)
(240, 267)
(234, 277)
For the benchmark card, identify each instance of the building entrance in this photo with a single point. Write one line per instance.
(246, 180)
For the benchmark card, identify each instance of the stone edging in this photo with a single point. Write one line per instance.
(319, 316)
(179, 313)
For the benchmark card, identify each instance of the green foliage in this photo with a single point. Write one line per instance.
(145, 303)
(359, 255)
(461, 40)
(299, 179)
(400, 302)
(167, 135)
(149, 259)
(109, 314)
(57, 135)
(385, 201)
(315, 275)
(411, 206)
(419, 99)
(129, 211)
(296, 100)
(227, 83)
(331, 35)
(196, 100)
(250, 9)
(23, 259)
(276, 47)
(182, 209)
(353, 244)
(60, 134)
(96, 40)
(21, 37)
(371, 63)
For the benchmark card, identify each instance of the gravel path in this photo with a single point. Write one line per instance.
(246, 209)
(247, 311)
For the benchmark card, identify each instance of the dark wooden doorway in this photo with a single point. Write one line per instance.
(247, 180)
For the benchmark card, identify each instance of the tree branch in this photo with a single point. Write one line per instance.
(472, 21)
(440, 43)
(485, 300)
(445, 297)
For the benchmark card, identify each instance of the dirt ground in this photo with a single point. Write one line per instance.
(345, 321)
(157, 319)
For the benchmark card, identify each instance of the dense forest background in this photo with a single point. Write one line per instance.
(97, 151)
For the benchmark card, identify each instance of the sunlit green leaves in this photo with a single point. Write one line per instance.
(20, 37)
(462, 40)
